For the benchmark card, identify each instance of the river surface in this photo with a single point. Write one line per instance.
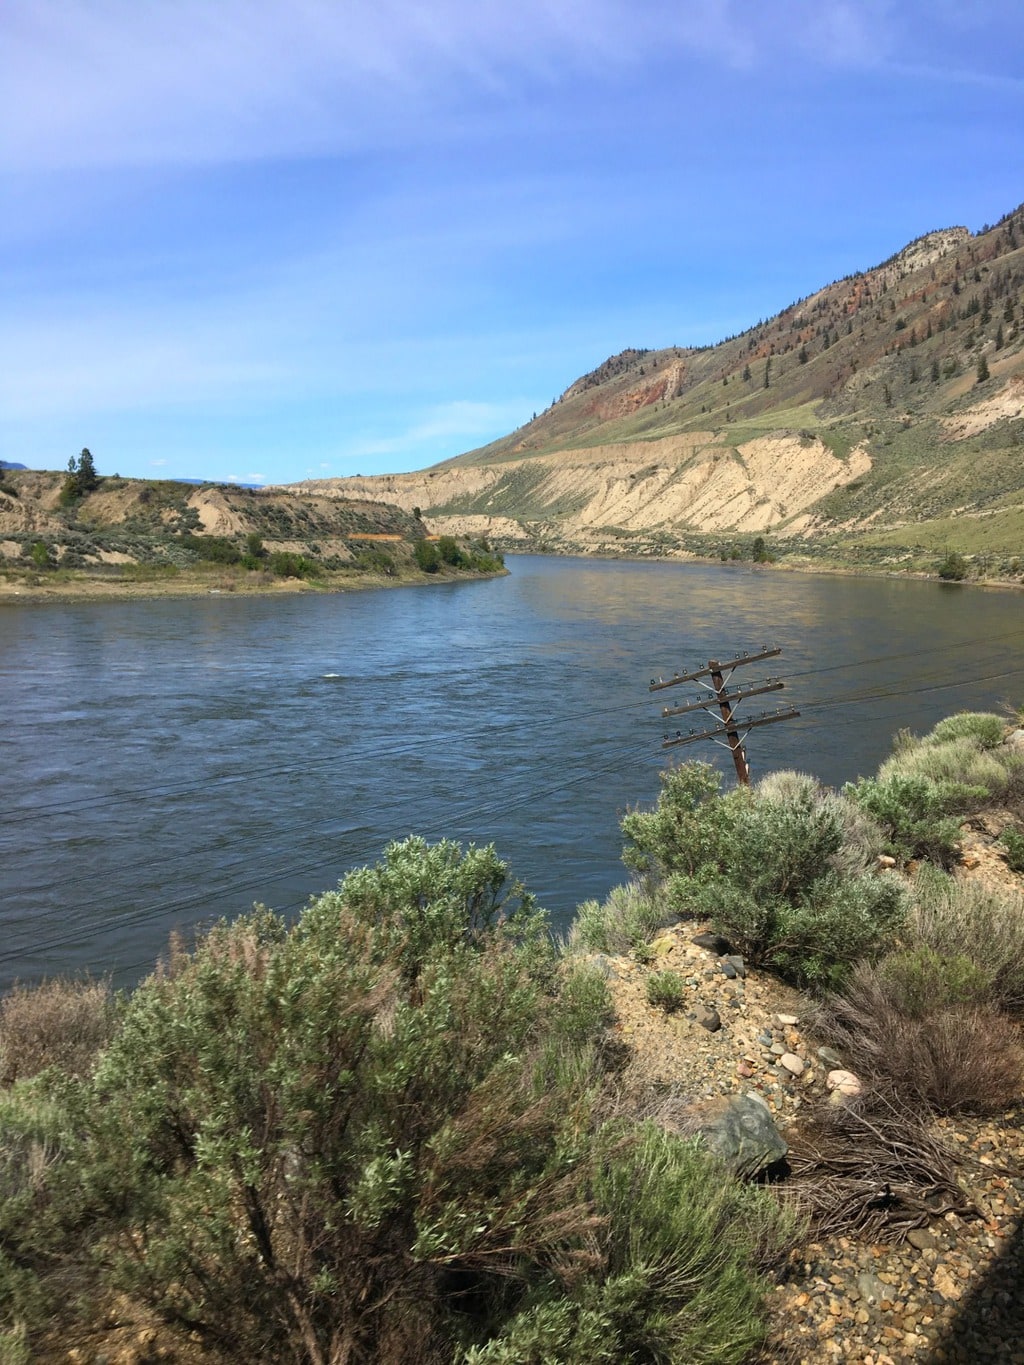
(169, 762)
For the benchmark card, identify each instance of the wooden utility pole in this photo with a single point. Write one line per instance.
(732, 728)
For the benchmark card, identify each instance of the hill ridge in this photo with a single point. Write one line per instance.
(887, 401)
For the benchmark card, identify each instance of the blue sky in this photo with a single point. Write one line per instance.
(268, 240)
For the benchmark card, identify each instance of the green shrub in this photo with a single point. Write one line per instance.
(919, 980)
(677, 1242)
(1013, 841)
(766, 868)
(286, 564)
(965, 919)
(985, 728)
(686, 829)
(963, 775)
(376, 560)
(912, 814)
(665, 991)
(212, 549)
(42, 555)
(427, 556)
(629, 918)
(953, 568)
(448, 549)
(375, 1135)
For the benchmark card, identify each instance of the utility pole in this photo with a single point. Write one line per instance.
(732, 728)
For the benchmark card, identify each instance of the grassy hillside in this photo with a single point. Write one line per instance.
(916, 364)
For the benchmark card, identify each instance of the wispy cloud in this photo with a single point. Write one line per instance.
(455, 424)
(115, 82)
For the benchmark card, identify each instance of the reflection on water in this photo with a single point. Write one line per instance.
(171, 762)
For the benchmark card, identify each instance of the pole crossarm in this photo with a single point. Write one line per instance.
(702, 703)
(766, 653)
(767, 718)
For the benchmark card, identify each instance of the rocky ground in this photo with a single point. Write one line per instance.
(946, 1291)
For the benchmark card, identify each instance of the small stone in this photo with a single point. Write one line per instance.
(661, 947)
(871, 1287)
(744, 1070)
(727, 969)
(830, 1057)
(843, 1082)
(787, 1020)
(884, 860)
(921, 1239)
(708, 1018)
(777, 1050)
(793, 1064)
(736, 961)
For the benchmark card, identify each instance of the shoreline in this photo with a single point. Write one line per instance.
(830, 571)
(193, 588)
(190, 585)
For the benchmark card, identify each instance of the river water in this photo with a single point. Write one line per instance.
(166, 763)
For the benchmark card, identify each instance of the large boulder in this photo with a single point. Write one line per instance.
(740, 1130)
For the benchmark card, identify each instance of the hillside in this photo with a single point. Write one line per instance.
(876, 422)
(219, 537)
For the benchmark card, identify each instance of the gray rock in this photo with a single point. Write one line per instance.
(727, 969)
(921, 1239)
(872, 1290)
(708, 1018)
(714, 943)
(793, 1064)
(740, 1130)
(738, 963)
(602, 963)
(830, 1057)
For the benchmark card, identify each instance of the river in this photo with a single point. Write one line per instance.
(170, 762)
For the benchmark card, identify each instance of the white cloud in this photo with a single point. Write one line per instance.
(116, 82)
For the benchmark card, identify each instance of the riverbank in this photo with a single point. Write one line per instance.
(827, 569)
(64, 586)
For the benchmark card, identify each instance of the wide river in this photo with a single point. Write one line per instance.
(166, 763)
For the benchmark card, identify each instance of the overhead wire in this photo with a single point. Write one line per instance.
(30, 813)
(272, 870)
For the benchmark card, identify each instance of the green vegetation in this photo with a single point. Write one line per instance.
(665, 991)
(377, 1135)
(102, 530)
(81, 479)
(764, 868)
(928, 783)
(953, 568)
(428, 556)
(397, 1128)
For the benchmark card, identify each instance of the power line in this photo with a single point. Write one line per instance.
(24, 814)
(270, 871)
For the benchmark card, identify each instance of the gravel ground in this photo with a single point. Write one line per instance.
(950, 1292)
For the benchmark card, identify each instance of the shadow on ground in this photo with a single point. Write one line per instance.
(989, 1326)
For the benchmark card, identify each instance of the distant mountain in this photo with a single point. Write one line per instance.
(8, 464)
(879, 421)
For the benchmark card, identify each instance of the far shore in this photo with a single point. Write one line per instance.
(189, 584)
(85, 587)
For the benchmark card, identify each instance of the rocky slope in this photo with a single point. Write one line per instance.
(167, 524)
(878, 421)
